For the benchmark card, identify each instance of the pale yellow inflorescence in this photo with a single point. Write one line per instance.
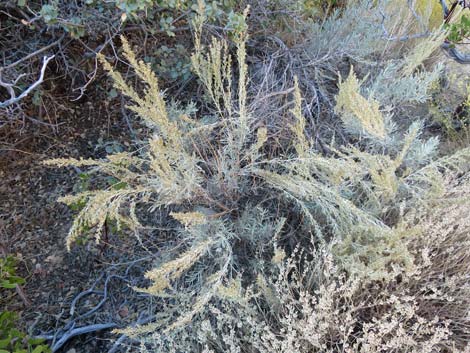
(358, 112)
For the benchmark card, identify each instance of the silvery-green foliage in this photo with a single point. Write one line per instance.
(393, 89)
(422, 150)
(342, 36)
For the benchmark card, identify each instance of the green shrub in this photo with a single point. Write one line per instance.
(8, 277)
(84, 20)
(12, 340)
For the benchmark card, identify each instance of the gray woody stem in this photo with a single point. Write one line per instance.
(9, 86)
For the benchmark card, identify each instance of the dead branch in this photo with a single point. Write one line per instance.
(455, 54)
(37, 52)
(76, 332)
(10, 86)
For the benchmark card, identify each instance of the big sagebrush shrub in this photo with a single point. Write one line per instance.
(237, 208)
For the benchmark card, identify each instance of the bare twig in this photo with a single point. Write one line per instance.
(85, 293)
(456, 54)
(37, 52)
(9, 86)
(104, 293)
(445, 9)
(76, 332)
(61, 335)
(405, 38)
(92, 75)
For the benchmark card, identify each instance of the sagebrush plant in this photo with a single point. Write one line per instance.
(278, 248)
(374, 45)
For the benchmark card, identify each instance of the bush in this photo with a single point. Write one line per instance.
(277, 248)
(88, 17)
(12, 340)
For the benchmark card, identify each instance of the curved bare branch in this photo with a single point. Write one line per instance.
(9, 86)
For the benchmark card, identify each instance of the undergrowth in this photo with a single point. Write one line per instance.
(12, 339)
(277, 245)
